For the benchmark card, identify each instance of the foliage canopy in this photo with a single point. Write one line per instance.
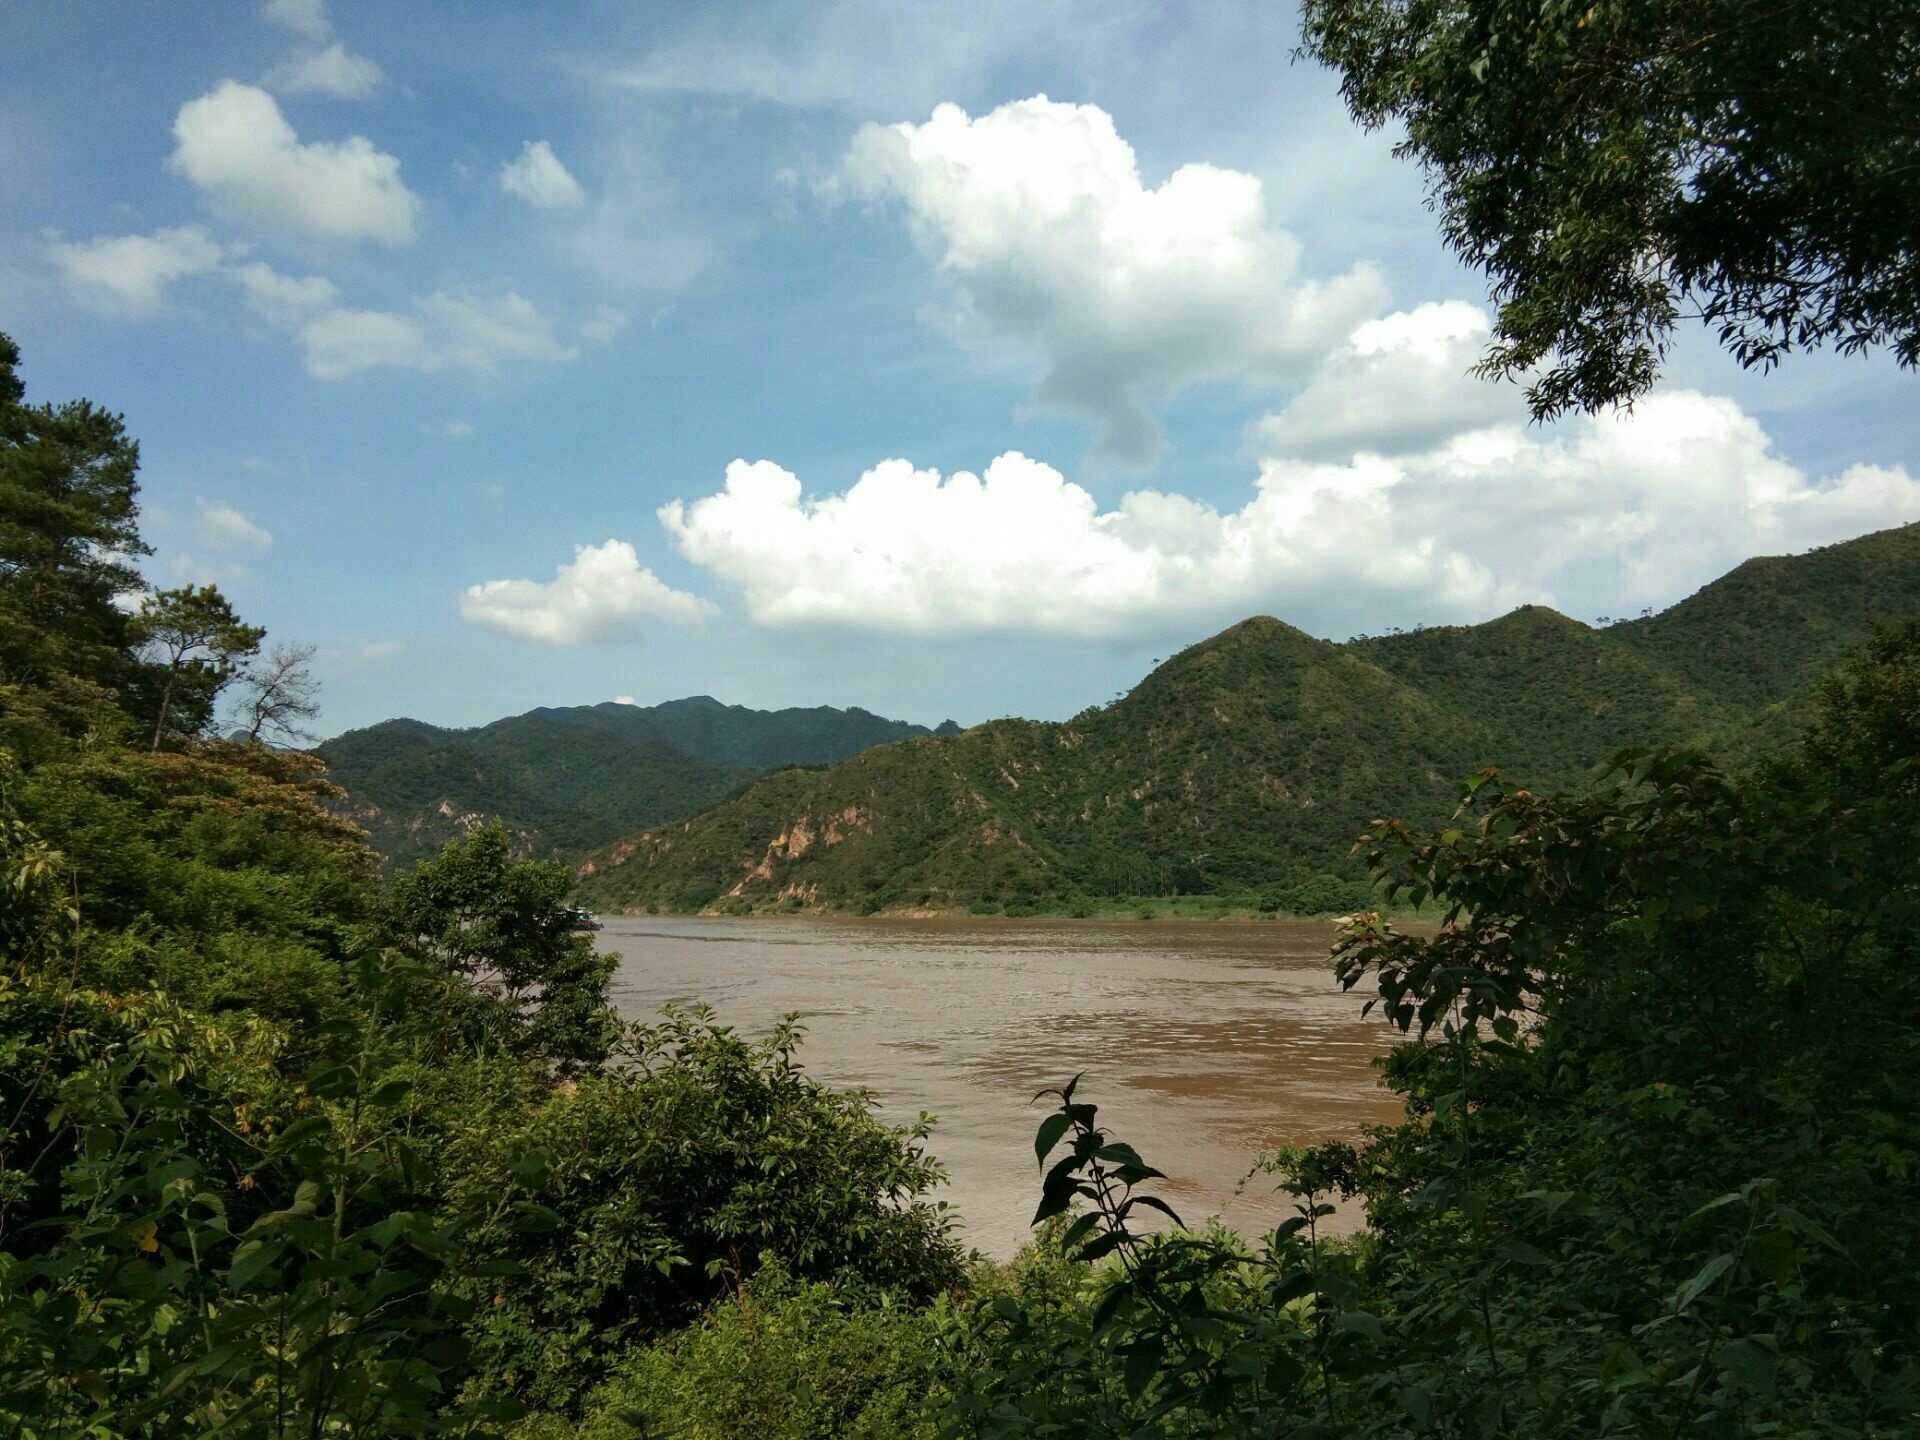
(1615, 166)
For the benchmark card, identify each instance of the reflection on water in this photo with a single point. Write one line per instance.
(1203, 1044)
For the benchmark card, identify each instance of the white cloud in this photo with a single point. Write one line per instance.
(481, 331)
(132, 274)
(238, 149)
(1605, 512)
(448, 327)
(1037, 215)
(339, 342)
(625, 700)
(604, 595)
(1399, 384)
(225, 528)
(538, 177)
(285, 299)
(332, 71)
(305, 17)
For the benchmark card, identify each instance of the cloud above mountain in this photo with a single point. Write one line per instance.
(605, 594)
(1604, 512)
(1053, 246)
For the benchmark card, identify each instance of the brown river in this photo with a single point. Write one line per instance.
(1204, 1044)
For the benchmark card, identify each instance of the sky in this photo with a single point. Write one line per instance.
(953, 360)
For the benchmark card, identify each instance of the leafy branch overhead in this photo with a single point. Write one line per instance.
(1617, 166)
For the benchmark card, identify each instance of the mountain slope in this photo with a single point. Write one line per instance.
(565, 780)
(1251, 760)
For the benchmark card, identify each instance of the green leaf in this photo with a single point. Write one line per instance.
(1708, 1273)
(1143, 1363)
(1077, 1231)
(1049, 1133)
(1154, 1202)
(392, 1093)
(1749, 1365)
(249, 1261)
(1774, 1255)
(1359, 1322)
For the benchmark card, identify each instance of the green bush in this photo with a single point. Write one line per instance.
(784, 1360)
(668, 1176)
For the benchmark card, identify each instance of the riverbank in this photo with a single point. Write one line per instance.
(1222, 908)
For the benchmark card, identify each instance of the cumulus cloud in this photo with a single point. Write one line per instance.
(1399, 384)
(133, 274)
(237, 148)
(604, 595)
(1635, 509)
(537, 177)
(1037, 215)
(225, 528)
(333, 71)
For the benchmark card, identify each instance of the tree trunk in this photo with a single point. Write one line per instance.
(166, 704)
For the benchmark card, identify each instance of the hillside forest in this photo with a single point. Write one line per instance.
(1242, 768)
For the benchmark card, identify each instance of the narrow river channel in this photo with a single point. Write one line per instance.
(1204, 1044)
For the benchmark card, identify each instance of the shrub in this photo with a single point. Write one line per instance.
(785, 1360)
(668, 1177)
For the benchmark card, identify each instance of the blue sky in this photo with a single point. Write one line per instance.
(539, 355)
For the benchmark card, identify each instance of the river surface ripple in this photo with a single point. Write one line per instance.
(1203, 1044)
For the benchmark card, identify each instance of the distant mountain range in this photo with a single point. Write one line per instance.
(1249, 762)
(565, 780)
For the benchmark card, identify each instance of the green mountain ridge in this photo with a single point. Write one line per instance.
(1248, 762)
(564, 780)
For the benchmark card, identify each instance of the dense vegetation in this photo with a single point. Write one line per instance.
(288, 1151)
(568, 779)
(1245, 765)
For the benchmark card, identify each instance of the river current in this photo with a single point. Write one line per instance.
(1204, 1044)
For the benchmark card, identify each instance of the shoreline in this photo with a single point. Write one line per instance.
(1117, 914)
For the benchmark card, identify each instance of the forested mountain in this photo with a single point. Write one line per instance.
(1248, 763)
(565, 779)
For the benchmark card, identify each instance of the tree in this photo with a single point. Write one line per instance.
(68, 536)
(197, 643)
(505, 926)
(1615, 165)
(279, 696)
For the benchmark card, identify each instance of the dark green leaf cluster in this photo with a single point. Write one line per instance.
(1617, 165)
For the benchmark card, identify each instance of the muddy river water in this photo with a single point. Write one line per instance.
(1203, 1043)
